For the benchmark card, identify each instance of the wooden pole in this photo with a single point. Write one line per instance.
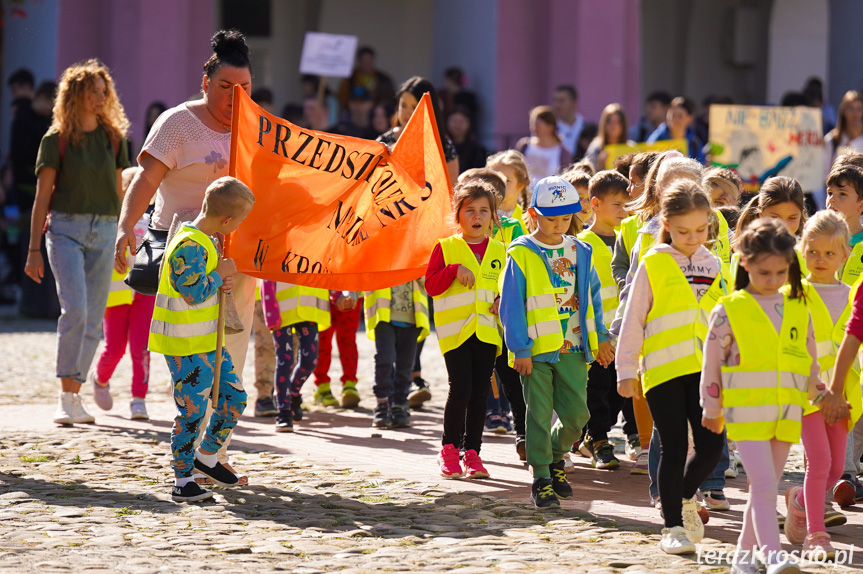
(217, 375)
(494, 388)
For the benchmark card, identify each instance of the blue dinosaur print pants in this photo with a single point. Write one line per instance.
(193, 381)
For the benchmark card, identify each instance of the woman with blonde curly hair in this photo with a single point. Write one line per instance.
(78, 192)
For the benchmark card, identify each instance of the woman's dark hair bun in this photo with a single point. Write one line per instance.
(229, 47)
(224, 42)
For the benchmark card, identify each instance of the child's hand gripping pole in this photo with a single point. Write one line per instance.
(219, 342)
(494, 388)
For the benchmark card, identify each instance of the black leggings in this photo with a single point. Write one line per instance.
(603, 401)
(469, 367)
(672, 404)
(509, 379)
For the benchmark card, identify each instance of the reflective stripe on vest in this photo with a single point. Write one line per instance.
(629, 231)
(764, 396)
(854, 265)
(376, 307)
(721, 246)
(178, 328)
(543, 317)
(298, 303)
(460, 312)
(828, 337)
(120, 294)
(676, 323)
(602, 263)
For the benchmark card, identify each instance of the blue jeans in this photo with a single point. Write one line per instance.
(81, 253)
(395, 353)
(716, 480)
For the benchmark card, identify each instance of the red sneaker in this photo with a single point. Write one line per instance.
(448, 460)
(473, 467)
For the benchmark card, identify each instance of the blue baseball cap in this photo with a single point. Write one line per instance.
(553, 196)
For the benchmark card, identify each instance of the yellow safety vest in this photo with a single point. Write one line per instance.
(764, 396)
(629, 231)
(828, 337)
(722, 247)
(854, 265)
(377, 309)
(602, 263)
(120, 294)
(543, 317)
(676, 324)
(504, 233)
(179, 329)
(298, 304)
(519, 215)
(460, 312)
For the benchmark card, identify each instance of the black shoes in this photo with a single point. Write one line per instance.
(297, 408)
(400, 416)
(284, 422)
(218, 474)
(191, 492)
(420, 394)
(382, 417)
(542, 494)
(558, 480)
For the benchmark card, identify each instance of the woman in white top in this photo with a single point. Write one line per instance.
(186, 150)
(846, 136)
(543, 151)
(612, 130)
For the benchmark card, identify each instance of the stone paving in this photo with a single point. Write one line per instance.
(336, 495)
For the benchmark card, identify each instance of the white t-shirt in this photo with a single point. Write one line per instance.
(569, 133)
(541, 162)
(195, 155)
(564, 262)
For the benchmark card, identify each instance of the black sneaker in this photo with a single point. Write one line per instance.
(420, 394)
(603, 455)
(542, 494)
(284, 422)
(218, 474)
(400, 416)
(382, 417)
(191, 492)
(558, 480)
(297, 408)
(265, 407)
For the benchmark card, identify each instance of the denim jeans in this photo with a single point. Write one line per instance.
(81, 253)
(395, 353)
(716, 480)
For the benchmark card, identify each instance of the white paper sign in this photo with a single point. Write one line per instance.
(330, 55)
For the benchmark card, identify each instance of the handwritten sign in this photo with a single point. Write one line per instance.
(329, 55)
(614, 151)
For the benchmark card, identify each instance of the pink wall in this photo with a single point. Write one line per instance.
(155, 49)
(541, 44)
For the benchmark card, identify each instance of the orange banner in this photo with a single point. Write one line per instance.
(338, 212)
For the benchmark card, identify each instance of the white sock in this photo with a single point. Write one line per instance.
(181, 482)
(209, 460)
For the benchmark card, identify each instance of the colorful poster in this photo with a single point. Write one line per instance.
(338, 212)
(617, 150)
(763, 141)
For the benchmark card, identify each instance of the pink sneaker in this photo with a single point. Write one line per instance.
(795, 522)
(448, 460)
(473, 467)
(817, 547)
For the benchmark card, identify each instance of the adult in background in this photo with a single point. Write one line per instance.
(564, 102)
(187, 149)
(678, 125)
(470, 153)
(612, 130)
(655, 109)
(382, 117)
(846, 136)
(365, 74)
(544, 150)
(358, 122)
(84, 154)
(453, 95)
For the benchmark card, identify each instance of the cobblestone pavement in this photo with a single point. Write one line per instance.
(334, 496)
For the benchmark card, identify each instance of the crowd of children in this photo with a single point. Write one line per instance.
(719, 334)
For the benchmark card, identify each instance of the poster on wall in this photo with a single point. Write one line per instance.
(614, 151)
(764, 141)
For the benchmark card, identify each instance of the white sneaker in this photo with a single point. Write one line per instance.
(732, 470)
(139, 409)
(744, 568)
(675, 541)
(787, 566)
(568, 466)
(691, 521)
(63, 416)
(79, 413)
(101, 393)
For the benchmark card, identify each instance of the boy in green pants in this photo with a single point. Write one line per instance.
(549, 301)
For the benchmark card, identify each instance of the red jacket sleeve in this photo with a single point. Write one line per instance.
(855, 323)
(439, 276)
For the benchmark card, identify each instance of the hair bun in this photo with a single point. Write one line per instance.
(226, 42)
